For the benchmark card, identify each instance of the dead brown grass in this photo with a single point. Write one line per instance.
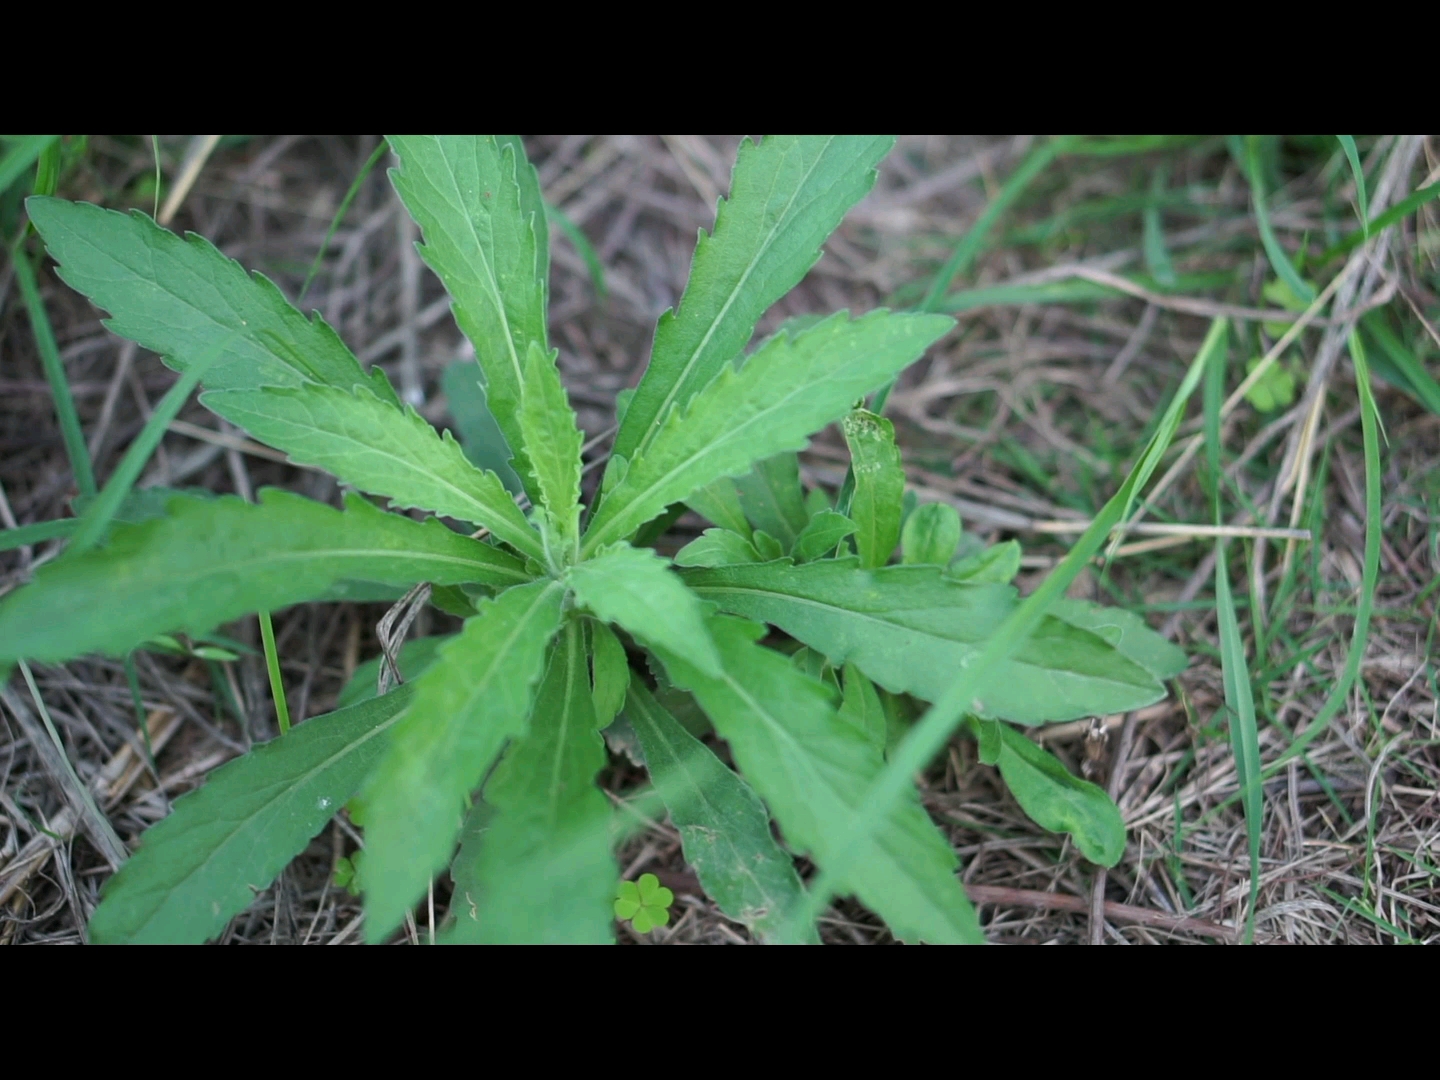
(1350, 835)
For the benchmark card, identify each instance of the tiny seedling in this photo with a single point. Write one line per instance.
(792, 628)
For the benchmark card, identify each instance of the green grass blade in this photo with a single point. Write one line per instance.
(787, 194)
(10, 539)
(486, 244)
(583, 248)
(70, 432)
(356, 185)
(635, 589)
(180, 298)
(100, 513)
(812, 769)
(1422, 383)
(879, 487)
(1279, 261)
(724, 827)
(23, 153)
(1352, 155)
(1070, 292)
(1244, 734)
(544, 872)
(204, 864)
(1157, 256)
(272, 669)
(1403, 208)
(552, 441)
(910, 629)
(965, 253)
(381, 447)
(472, 700)
(788, 389)
(213, 560)
(964, 695)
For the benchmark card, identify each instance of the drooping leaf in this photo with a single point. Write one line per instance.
(413, 659)
(862, 709)
(183, 298)
(1127, 633)
(819, 537)
(787, 390)
(634, 588)
(484, 243)
(772, 499)
(610, 671)
(787, 194)
(879, 485)
(1057, 800)
(912, 631)
(222, 844)
(720, 502)
(717, 547)
(812, 769)
(472, 699)
(213, 560)
(552, 440)
(479, 433)
(724, 827)
(995, 565)
(381, 448)
(544, 872)
(931, 535)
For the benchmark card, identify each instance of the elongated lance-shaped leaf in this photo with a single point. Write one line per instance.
(812, 768)
(545, 873)
(862, 707)
(182, 298)
(213, 560)
(723, 825)
(610, 668)
(532, 205)
(635, 589)
(786, 391)
(1057, 800)
(473, 699)
(383, 448)
(204, 864)
(772, 499)
(879, 485)
(485, 246)
(552, 441)
(912, 631)
(479, 434)
(787, 194)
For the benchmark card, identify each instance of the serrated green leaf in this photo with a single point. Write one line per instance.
(995, 565)
(819, 537)
(720, 502)
(381, 448)
(772, 499)
(787, 194)
(479, 433)
(812, 769)
(475, 696)
(213, 560)
(610, 670)
(414, 657)
(183, 298)
(484, 243)
(879, 485)
(532, 204)
(912, 630)
(544, 872)
(724, 828)
(1127, 633)
(634, 588)
(862, 709)
(787, 390)
(224, 843)
(768, 547)
(717, 547)
(552, 440)
(930, 535)
(1059, 801)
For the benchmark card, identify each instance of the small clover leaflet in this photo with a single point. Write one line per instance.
(645, 904)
